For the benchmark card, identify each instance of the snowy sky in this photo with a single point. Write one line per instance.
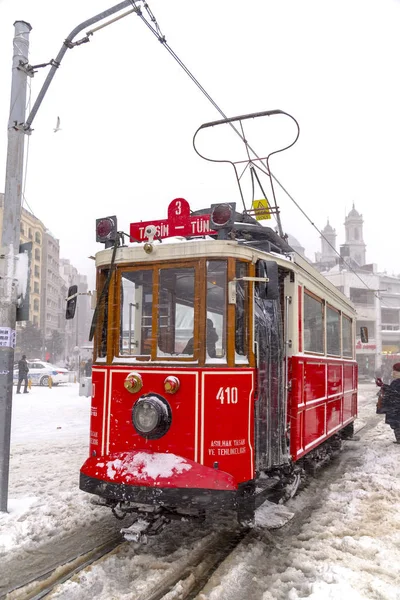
(128, 112)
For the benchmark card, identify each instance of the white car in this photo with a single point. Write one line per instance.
(40, 371)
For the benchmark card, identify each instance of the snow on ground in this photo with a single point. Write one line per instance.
(347, 547)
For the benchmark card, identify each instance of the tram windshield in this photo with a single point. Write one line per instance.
(176, 301)
(169, 311)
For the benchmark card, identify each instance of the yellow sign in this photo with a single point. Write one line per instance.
(261, 209)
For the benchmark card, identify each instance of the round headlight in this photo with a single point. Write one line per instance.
(146, 417)
(151, 416)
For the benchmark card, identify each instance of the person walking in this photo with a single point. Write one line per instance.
(391, 401)
(23, 371)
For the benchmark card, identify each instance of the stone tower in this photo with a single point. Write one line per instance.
(328, 239)
(353, 224)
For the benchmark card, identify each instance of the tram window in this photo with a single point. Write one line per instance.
(176, 312)
(313, 324)
(241, 321)
(216, 309)
(136, 312)
(347, 336)
(332, 331)
(102, 323)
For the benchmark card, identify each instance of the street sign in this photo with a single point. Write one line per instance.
(179, 223)
(262, 209)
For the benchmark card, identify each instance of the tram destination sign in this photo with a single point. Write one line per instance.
(179, 223)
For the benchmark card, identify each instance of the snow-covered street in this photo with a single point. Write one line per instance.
(343, 540)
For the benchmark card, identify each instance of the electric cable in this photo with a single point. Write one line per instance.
(161, 38)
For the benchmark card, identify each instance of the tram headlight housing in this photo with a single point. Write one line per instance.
(222, 215)
(151, 416)
(106, 230)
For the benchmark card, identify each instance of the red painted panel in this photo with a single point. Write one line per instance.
(307, 379)
(229, 422)
(348, 377)
(348, 410)
(296, 376)
(314, 380)
(354, 405)
(296, 435)
(333, 414)
(180, 438)
(99, 381)
(314, 424)
(335, 381)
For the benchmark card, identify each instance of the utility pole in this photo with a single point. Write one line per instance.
(9, 248)
(10, 244)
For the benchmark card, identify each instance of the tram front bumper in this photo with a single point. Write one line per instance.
(157, 479)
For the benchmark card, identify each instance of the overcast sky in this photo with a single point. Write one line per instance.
(128, 113)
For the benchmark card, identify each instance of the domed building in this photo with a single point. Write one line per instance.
(354, 244)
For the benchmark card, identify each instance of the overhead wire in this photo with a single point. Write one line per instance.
(161, 38)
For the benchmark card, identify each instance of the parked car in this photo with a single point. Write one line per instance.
(40, 371)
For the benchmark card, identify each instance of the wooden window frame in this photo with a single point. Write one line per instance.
(307, 292)
(345, 356)
(339, 312)
(200, 313)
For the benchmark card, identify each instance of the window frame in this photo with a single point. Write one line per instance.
(307, 292)
(339, 313)
(200, 314)
(351, 321)
(156, 268)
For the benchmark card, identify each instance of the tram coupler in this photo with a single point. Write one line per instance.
(142, 528)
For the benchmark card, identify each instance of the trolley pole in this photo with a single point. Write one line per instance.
(10, 245)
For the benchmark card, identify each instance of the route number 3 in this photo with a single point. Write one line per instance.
(228, 395)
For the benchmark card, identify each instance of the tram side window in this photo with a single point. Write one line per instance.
(241, 321)
(313, 324)
(332, 331)
(102, 326)
(136, 313)
(347, 336)
(176, 312)
(216, 310)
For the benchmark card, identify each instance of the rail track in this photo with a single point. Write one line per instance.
(189, 574)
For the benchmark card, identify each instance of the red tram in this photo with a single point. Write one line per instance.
(222, 362)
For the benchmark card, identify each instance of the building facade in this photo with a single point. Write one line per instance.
(54, 337)
(376, 296)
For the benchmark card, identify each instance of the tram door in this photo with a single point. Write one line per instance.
(271, 448)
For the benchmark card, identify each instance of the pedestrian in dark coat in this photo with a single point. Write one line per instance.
(391, 401)
(23, 371)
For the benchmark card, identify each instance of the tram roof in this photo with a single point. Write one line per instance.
(180, 250)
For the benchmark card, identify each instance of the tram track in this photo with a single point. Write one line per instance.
(193, 572)
(41, 587)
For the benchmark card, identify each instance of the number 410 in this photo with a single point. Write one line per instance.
(228, 395)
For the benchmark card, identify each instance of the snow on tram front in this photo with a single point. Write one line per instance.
(223, 361)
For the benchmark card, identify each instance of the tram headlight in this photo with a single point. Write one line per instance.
(151, 416)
